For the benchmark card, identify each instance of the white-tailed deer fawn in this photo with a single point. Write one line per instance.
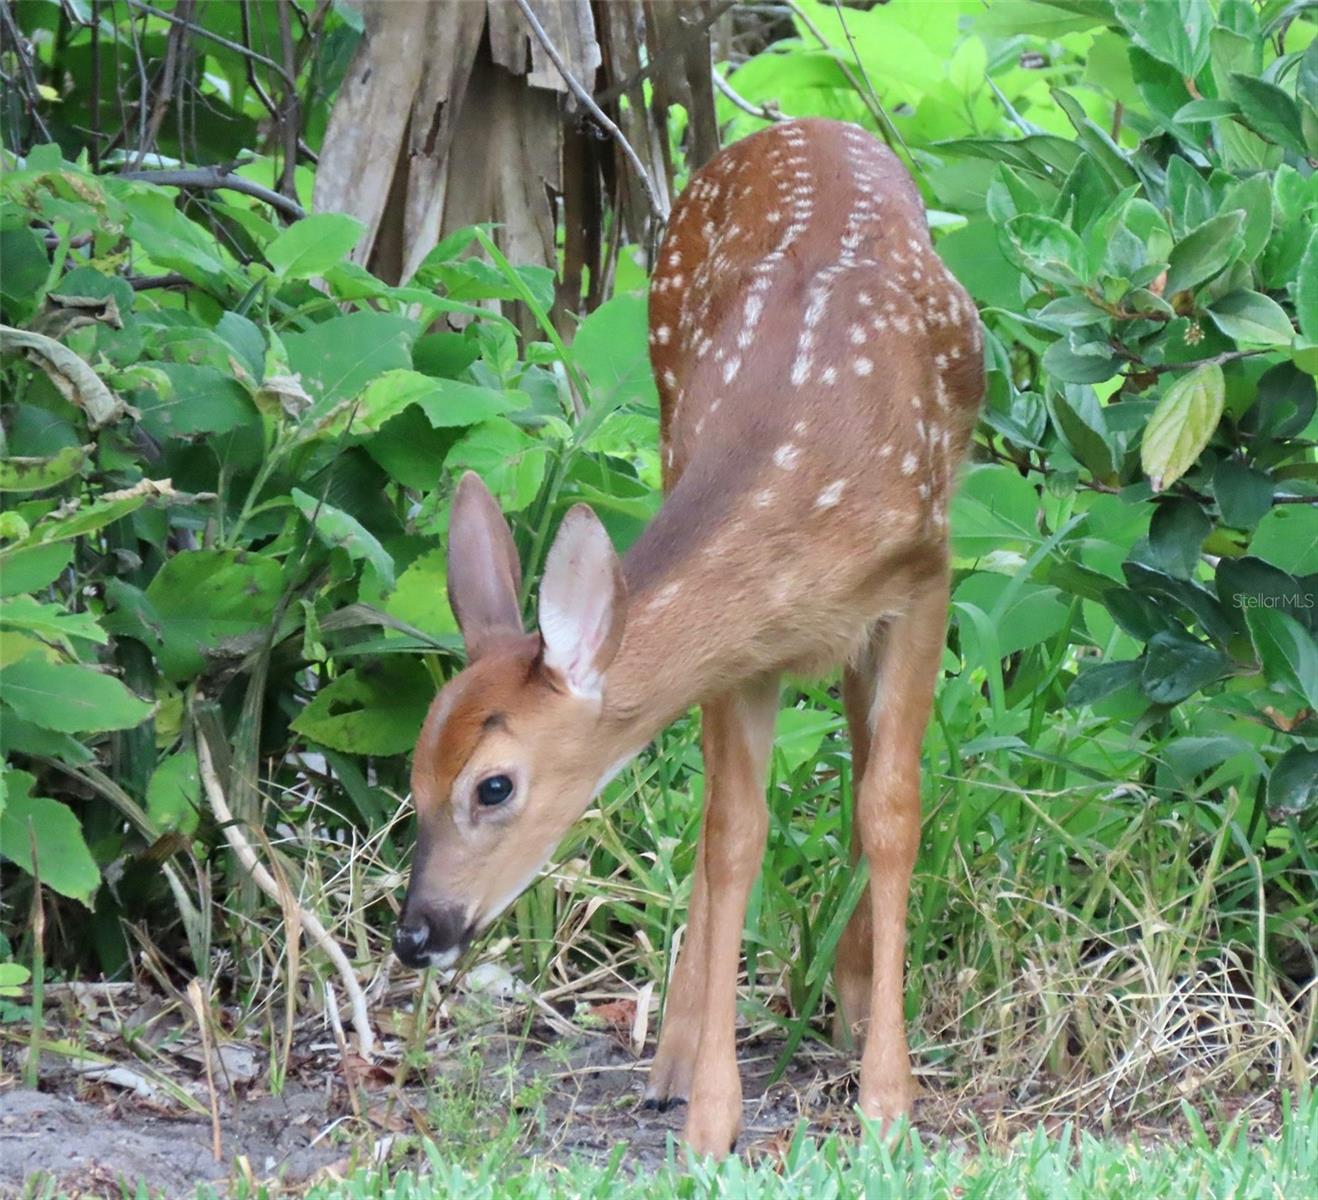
(820, 372)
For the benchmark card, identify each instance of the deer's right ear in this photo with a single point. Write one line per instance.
(484, 575)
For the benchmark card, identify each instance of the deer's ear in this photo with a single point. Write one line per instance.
(483, 572)
(583, 604)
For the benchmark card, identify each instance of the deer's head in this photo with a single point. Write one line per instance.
(512, 750)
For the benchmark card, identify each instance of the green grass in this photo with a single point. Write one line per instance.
(1068, 1166)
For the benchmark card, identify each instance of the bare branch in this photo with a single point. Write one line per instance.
(679, 46)
(214, 178)
(657, 206)
(238, 842)
(201, 31)
(765, 112)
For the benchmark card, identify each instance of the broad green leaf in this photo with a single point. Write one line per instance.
(1176, 32)
(611, 350)
(1095, 684)
(1269, 111)
(341, 530)
(1177, 666)
(1243, 493)
(446, 402)
(69, 698)
(174, 242)
(1288, 538)
(1252, 319)
(511, 463)
(1293, 784)
(51, 622)
(1306, 289)
(1203, 252)
(994, 508)
(339, 357)
(1181, 425)
(1176, 535)
(311, 246)
(377, 709)
(1286, 650)
(1023, 613)
(1047, 249)
(34, 568)
(1079, 416)
(62, 858)
(211, 603)
(38, 474)
(799, 734)
(173, 794)
(199, 400)
(421, 597)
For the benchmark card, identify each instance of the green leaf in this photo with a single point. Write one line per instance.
(339, 357)
(172, 241)
(1293, 784)
(370, 710)
(1203, 252)
(62, 858)
(1176, 536)
(1176, 32)
(421, 597)
(52, 622)
(446, 403)
(173, 794)
(311, 246)
(1286, 650)
(1182, 424)
(1080, 418)
(1252, 319)
(994, 508)
(1288, 538)
(798, 736)
(1023, 613)
(200, 400)
(611, 350)
(69, 698)
(211, 603)
(511, 463)
(1098, 683)
(1177, 666)
(338, 529)
(38, 474)
(1046, 249)
(1243, 493)
(34, 568)
(1269, 111)
(1306, 289)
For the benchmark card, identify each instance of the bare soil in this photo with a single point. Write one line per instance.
(577, 1096)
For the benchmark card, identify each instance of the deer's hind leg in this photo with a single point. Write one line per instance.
(853, 968)
(888, 819)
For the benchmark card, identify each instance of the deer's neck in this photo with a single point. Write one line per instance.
(693, 622)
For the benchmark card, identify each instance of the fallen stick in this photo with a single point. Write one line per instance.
(265, 881)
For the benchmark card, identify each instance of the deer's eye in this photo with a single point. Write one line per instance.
(494, 790)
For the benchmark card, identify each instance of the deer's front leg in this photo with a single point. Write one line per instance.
(888, 819)
(684, 1003)
(737, 735)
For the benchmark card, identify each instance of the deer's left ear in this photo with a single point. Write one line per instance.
(583, 604)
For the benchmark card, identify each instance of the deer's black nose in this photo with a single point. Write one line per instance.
(412, 943)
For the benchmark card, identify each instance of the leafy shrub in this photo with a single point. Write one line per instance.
(229, 497)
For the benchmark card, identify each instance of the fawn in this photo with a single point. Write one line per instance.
(820, 373)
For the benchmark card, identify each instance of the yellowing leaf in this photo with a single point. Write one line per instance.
(1181, 425)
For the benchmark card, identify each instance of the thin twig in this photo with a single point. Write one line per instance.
(165, 92)
(765, 112)
(265, 881)
(32, 94)
(1142, 368)
(290, 115)
(679, 46)
(212, 178)
(657, 207)
(202, 31)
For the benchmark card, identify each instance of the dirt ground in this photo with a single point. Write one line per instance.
(579, 1095)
